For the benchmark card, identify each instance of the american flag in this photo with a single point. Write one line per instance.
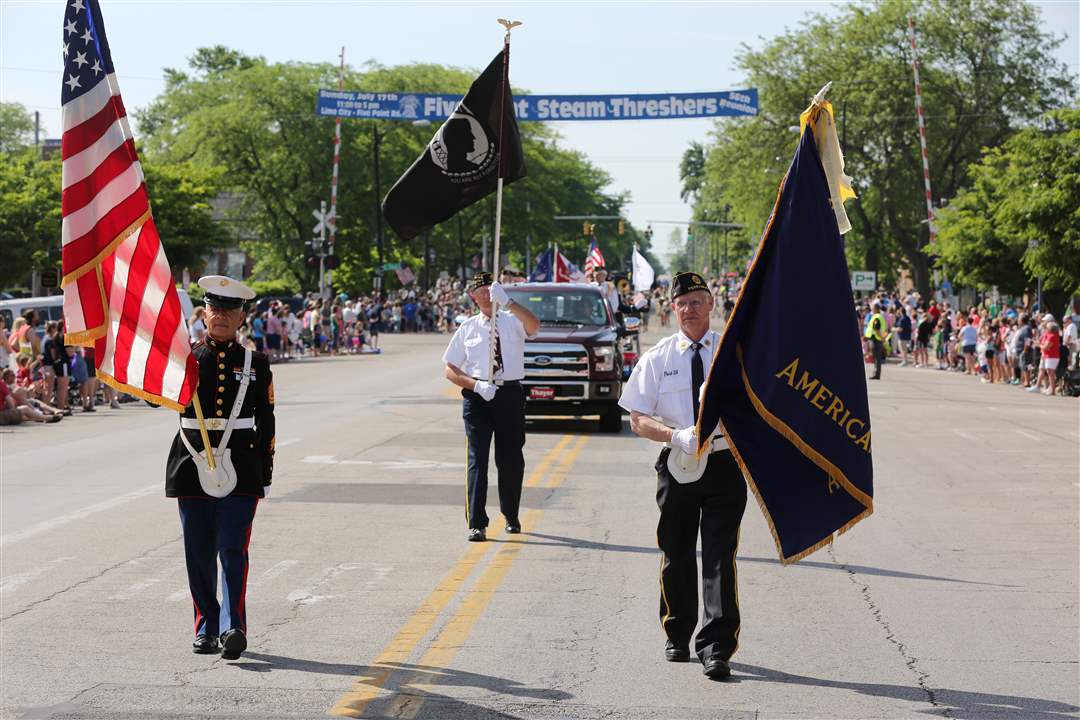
(595, 258)
(119, 295)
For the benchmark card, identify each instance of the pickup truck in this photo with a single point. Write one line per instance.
(574, 366)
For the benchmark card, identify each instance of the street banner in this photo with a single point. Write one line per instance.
(790, 390)
(119, 294)
(642, 272)
(637, 106)
(464, 160)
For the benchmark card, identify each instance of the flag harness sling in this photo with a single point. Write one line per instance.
(220, 480)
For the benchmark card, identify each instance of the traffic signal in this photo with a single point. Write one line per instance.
(585, 229)
(622, 227)
(689, 234)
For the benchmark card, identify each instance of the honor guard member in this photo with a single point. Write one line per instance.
(492, 405)
(217, 506)
(706, 494)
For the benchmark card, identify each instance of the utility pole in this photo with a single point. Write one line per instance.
(378, 276)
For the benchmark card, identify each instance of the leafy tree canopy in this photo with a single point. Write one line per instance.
(986, 70)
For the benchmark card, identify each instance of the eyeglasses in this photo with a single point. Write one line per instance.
(690, 304)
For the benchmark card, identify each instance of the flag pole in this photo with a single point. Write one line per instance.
(509, 25)
(202, 430)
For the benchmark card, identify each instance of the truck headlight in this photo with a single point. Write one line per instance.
(604, 359)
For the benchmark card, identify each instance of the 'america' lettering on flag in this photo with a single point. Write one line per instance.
(119, 294)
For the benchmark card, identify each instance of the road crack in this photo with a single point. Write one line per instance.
(922, 678)
(84, 581)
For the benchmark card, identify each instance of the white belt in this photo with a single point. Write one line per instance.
(218, 423)
(719, 442)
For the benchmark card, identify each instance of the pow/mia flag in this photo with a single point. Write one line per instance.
(793, 402)
(461, 164)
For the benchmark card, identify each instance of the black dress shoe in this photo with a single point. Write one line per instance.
(716, 668)
(676, 653)
(477, 535)
(205, 645)
(513, 527)
(233, 643)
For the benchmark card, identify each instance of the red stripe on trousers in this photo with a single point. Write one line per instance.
(247, 564)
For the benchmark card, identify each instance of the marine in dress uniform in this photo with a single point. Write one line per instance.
(707, 496)
(492, 406)
(217, 508)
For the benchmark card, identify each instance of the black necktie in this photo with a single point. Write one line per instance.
(498, 347)
(697, 377)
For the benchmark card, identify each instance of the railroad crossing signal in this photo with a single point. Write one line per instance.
(325, 220)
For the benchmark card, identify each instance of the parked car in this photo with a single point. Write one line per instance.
(574, 366)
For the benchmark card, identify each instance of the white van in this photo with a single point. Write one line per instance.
(51, 307)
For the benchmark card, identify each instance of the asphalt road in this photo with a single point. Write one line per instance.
(957, 599)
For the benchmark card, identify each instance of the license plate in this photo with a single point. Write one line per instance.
(541, 393)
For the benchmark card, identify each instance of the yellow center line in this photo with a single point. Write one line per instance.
(367, 688)
(457, 630)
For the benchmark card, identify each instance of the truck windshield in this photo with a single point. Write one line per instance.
(563, 308)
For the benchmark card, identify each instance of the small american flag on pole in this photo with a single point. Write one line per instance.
(595, 259)
(119, 295)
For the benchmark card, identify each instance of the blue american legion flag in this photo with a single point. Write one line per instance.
(119, 294)
(789, 389)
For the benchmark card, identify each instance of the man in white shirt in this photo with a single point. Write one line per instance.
(663, 396)
(492, 405)
(611, 293)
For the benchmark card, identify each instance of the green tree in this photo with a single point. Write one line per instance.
(16, 127)
(29, 216)
(1019, 218)
(986, 71)
(254, 121)
(181, 195)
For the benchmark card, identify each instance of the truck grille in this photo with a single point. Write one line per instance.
(551, 360)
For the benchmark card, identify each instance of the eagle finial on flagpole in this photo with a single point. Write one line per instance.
(820, 97)
(509, 25)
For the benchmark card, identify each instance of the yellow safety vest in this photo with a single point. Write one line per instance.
(875, 334)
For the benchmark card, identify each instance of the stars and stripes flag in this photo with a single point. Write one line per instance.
(595, 258)
(119, 294)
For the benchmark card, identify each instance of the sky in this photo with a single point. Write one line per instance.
(563, 47)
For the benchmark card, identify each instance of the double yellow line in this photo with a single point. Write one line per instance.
(445, 646)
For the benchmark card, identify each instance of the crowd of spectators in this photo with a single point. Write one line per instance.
(997, 342)
(41, 378)
(312, 326)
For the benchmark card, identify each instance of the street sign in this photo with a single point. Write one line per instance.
(391, 266)
(863, 280)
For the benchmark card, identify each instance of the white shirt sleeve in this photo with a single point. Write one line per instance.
(455, 351)
(639, 392)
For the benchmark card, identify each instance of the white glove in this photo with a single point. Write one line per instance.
(685, 440)
(498, 295)
(485, 389)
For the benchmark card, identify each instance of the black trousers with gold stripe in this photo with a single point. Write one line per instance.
(714, 505)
